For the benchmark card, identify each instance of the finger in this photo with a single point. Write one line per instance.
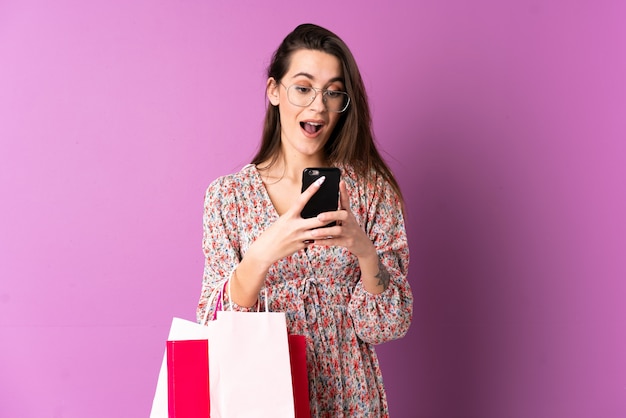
(306, 195)
(344, 199)
(326, 232)
(335, 216)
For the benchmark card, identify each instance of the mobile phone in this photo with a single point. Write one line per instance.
(326, 199)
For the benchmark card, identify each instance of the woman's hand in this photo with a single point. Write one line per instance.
(289, 234)
(347, 233)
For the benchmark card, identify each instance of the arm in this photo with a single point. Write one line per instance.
(382, 302)
(220, 241)
(384, 315)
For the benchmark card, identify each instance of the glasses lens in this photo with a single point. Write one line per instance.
(301, 95)
(335, 101)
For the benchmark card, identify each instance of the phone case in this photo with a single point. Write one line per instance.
(326, 199)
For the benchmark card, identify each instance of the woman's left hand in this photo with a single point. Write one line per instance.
(347, 233)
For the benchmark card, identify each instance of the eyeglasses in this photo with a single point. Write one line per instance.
(302, 96)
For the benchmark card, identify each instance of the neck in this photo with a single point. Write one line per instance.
(291, 168)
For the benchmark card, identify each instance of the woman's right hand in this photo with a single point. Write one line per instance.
(289, 234)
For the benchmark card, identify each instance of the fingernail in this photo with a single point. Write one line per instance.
(320, 180)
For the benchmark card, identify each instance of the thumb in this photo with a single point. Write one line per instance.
(344, 198)
(305, 196)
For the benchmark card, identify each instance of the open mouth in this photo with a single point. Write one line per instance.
(311, 127)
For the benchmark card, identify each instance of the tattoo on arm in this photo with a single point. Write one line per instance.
(383, 276)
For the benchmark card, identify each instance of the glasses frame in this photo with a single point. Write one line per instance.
(316, 91)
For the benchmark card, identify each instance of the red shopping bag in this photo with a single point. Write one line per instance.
(188, 379)
(299, 376)
(180, 330)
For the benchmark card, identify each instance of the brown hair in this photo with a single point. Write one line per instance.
(352, 141)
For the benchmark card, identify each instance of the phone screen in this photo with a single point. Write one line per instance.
(326, 199)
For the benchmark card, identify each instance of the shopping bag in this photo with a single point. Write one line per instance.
(250, 374)
(247, 351)
(188, 379)
(299, 376)
(180, 329)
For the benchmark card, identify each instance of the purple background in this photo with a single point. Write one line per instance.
(503, 120)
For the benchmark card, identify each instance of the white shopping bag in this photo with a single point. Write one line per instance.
(181, 329)
(249, 369)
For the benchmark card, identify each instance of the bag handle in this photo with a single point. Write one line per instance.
(218, 292)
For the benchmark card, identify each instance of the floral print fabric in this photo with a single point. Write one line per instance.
(319, 288)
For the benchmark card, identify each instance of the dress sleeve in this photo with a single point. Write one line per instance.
(220, 242)
(385, 316)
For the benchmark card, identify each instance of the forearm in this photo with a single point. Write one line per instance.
(374, 275)
(384, 315)
(247, 280)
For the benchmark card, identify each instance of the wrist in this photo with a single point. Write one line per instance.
(241, 292)
(370, 256)
(256, 259)
(374, 275)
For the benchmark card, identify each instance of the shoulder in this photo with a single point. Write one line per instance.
(371, 182)
(231, 182)
(227, 187)
(371, 194)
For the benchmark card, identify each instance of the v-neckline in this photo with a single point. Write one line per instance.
(305, 253)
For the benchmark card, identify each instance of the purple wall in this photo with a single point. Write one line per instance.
(504, 122)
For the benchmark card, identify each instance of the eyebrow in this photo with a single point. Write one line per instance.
(310, 77)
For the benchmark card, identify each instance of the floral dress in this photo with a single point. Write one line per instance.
(319, 288)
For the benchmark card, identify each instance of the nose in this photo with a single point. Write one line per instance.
(318, 103)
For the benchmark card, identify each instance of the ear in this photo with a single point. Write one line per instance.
(272, 91)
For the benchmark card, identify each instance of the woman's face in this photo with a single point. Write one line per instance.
(306, 129)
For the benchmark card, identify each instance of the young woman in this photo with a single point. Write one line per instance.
(344, 286)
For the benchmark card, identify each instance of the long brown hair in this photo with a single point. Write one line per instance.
(352, 141)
